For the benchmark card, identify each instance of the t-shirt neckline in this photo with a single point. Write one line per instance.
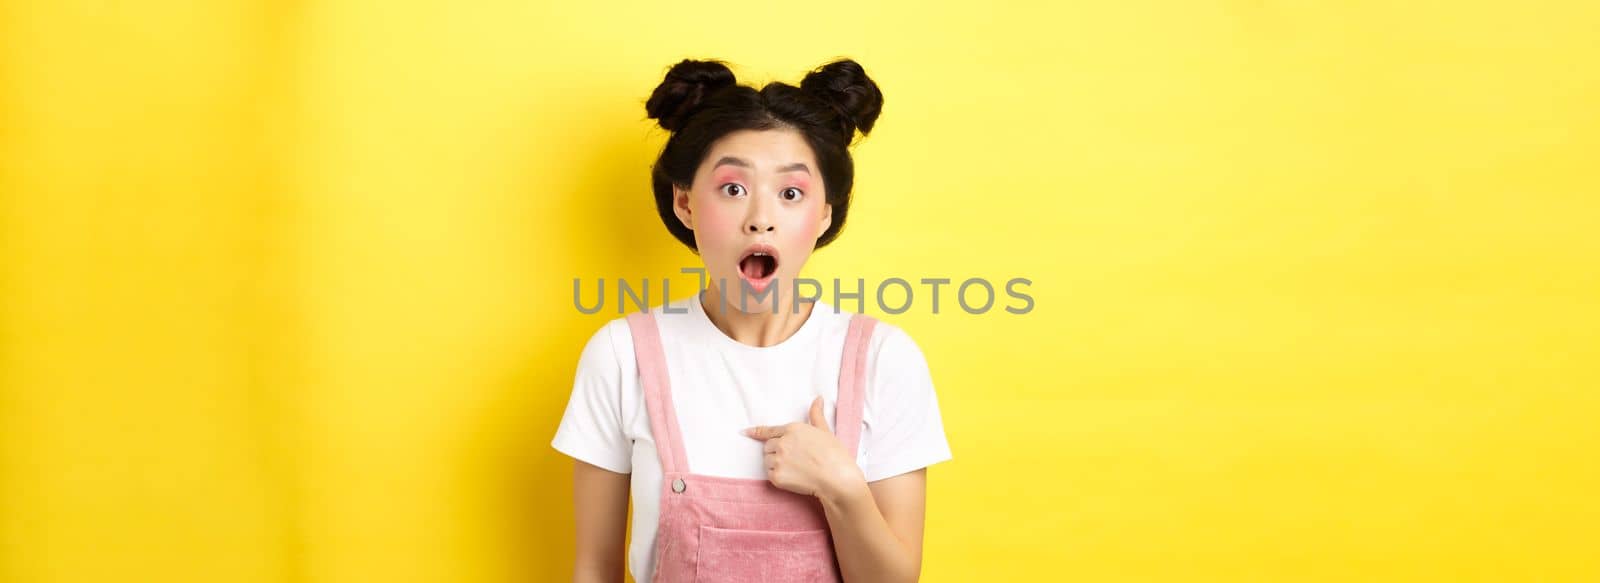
(806, 330)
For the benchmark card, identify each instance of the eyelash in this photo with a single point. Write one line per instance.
(798, 192)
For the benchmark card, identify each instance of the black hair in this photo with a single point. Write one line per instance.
(699, 102)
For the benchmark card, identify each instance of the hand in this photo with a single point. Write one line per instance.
(806, 458)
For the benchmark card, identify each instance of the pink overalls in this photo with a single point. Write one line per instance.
(714, 528)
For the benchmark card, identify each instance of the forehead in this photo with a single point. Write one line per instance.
(766, 150)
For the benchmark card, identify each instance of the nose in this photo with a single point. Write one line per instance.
(758, 220)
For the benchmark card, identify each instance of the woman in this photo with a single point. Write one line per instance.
(763, 436)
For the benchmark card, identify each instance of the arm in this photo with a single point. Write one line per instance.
(591, 432)
(600, 509)
(877, 527)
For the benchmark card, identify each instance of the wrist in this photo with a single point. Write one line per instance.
(847, 490)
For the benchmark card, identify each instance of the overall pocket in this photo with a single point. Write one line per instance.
(727, 555)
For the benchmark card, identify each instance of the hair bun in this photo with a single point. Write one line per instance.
(845, 86)
(686, 86)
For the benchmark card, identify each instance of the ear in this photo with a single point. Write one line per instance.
(827, 219)
(680, 206)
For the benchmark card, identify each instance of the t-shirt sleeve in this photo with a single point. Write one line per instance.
(906, 432)
(591, 427)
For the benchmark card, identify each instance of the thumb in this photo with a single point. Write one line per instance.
(817, 418)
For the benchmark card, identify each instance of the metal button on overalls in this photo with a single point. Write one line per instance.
(678, 485)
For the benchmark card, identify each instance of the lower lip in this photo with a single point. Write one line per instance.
(759, 285)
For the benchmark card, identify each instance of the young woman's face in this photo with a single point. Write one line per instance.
(756, 207)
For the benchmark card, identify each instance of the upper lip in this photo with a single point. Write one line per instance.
(760, 248)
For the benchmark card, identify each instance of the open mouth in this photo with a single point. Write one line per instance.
(757, 266)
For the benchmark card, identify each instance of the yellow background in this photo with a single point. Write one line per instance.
(285, 287)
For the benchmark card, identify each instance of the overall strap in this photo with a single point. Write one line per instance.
(652, 361)
(853, 382)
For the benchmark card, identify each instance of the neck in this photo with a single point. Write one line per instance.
(760, 327)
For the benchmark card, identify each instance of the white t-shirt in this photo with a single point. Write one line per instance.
(720, 386)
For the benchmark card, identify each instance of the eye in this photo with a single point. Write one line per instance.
(791, 194)
(739, 187)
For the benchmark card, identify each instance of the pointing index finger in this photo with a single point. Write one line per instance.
(764, 432)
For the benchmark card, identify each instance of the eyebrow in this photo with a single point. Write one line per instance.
(732, 161)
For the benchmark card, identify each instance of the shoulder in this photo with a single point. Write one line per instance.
(905, 429)
(896, 367)
(608, 351)
(611, 346)
(889, 348)
(893, 348)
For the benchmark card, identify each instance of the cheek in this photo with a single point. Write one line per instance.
(804, 228)
(715, 223)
